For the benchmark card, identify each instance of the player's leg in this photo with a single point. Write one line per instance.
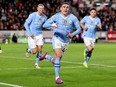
(46, 55)
(58, 46)
(39, 43)
(39, 54)
(88, 55)
(31, 47)
(1, 50)
(88, 51)
(56, 60)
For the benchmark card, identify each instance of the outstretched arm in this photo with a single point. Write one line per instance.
(49, 24)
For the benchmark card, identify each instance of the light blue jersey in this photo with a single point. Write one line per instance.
(90, 23)
(65, 25)
(34, 23)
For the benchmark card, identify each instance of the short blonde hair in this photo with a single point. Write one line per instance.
(40, 5)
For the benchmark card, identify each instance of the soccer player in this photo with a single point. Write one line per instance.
(0, 49)
(33, 26)
(62, 24)
(89, 24)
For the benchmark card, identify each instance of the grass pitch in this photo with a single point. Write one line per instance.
(16, 70)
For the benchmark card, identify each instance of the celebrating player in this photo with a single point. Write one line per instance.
(62, 24)
(33, 25)
(89, 24)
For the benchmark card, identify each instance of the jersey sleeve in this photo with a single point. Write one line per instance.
(45, 19)
(83, 20)
(77, 26)
(99, 22)
(49, 22)
(27, 24)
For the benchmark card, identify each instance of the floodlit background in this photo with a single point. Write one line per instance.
(18, 71)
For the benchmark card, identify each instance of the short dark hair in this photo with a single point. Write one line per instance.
(92, 9)
(65, 3)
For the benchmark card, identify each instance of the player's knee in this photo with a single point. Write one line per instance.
(90, 49)
(59, 56)
(34, 51)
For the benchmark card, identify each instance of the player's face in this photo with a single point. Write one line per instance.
(40, 9)
(65, 9)
(93, 13)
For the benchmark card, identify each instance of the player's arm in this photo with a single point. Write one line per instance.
(99, 25)
(77, 26)
(27, 24)
(50, 24)
(45, 19)
(83, 26)
(82, 22)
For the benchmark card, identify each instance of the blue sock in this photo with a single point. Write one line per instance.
(87, 50)
(38, 56)
(50, 58)
(57, 66)
(88, 56)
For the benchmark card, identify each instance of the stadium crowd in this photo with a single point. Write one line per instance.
(14, 12)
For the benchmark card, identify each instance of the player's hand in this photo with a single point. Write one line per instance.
(70, 35)
(32, 36)
(52, 29)
(54, 25)
(98, 26)
(85, 28)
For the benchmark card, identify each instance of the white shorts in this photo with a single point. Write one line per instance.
(89, 41)
(56, 43)
(38, 40)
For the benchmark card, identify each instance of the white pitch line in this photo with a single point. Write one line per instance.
(11, 85)
(16, 68)
(69, 67)
(64, 67)
(103, 65)
(90, 64)
(12, 57)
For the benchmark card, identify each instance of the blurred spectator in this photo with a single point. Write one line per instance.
(14, 12)
(14, 38)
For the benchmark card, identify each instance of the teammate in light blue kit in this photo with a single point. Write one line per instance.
(33, 26)
(62, 24)
(90, 24)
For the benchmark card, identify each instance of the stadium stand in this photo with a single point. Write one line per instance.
(14, 12)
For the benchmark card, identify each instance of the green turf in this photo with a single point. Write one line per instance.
(16, 69)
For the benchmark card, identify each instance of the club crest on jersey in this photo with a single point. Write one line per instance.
(65, 21)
